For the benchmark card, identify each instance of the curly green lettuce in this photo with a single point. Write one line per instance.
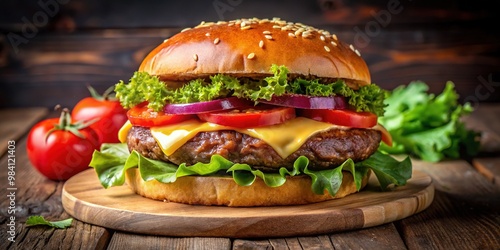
(427, 126)
(143, 87)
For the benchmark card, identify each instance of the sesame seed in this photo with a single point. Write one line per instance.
(291, 34)
(333, 43)
(230, 24)
(207, 34)
(326, 48)
(216, 41)
(268, 37)
(246, 27)
(335, 37)
(251, 55)
(322, 38)
(299, 31)
(357, 52)
(307, 34)
(351, 47)
(165, 40)
(186, 29)
(261, 44)
(276, 27)
(266, 32)
(243, 24)
(195, 57)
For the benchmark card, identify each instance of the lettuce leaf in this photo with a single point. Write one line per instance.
(113, 160)
(388, 170)
(37, 220)
(143, 87)
(428, 126)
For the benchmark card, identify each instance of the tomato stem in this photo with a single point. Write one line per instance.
(65, 118)
(106, 96)
(66, 124)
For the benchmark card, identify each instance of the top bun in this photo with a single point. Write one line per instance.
(248, 48)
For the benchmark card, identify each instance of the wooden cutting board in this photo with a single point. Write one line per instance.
(119, 208)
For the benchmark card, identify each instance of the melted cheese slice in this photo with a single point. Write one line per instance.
(284, 138)
(123, 132)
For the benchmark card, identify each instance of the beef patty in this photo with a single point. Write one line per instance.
(324, 149)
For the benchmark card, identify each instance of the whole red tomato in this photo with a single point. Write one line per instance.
(60, 149)
(110, 114)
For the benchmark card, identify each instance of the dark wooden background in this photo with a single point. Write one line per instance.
(51, 49)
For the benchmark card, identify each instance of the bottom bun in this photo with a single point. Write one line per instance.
(223, 191)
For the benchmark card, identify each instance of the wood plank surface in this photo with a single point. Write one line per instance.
(486, 119)
(93, 14)
(14, 123)
(55, 68)
(123, 240)
(60, 66)
(312, 242)
(489, 168)
(464, 214)
(472, 187)
(84, 198)
(380, 237)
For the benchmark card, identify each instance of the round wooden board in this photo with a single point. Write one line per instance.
(119, 208)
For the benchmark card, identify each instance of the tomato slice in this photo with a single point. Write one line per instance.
(258, 116)
(342, 117)
(145, 117)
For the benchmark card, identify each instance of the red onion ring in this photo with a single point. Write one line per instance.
(308, 102)
(208, 106)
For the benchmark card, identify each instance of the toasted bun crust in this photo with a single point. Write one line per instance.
(224, 191)
(248, 47)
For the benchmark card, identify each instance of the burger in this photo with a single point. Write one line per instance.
(250, 112)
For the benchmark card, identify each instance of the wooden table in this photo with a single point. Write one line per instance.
(465, 213)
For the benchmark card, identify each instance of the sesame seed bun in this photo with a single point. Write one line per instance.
(248, 48)
(223, 191)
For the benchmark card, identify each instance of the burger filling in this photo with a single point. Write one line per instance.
(250, 128)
